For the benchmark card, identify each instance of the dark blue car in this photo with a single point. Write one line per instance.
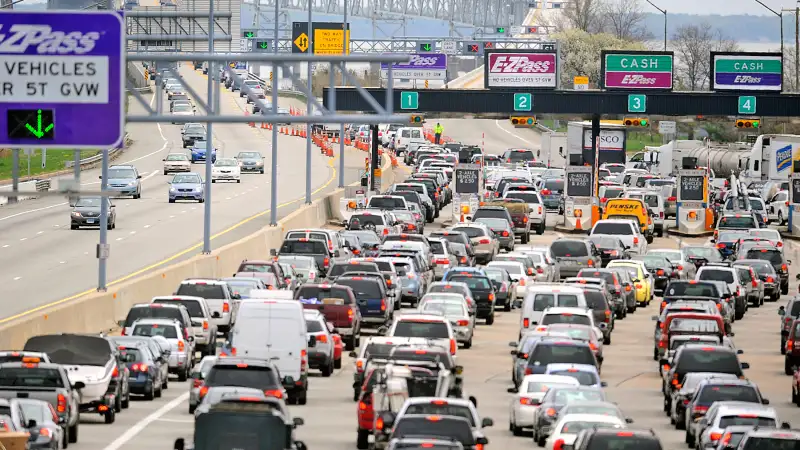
(371, 298)
(146, 376)
(726, 241)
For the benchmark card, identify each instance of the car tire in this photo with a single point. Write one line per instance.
(261, 171)
(783, 347)
(785, 289)
(151, 394)
(165, 383)
(327, 371)
(73, 431)
(526, 237)
(362, 442)
(337, 363)
(166, 173)
(192, 408)
(780, 217)
(507, 306)
(213, 180)
(787, 367)
(64, 439)
(126, 401)
(172, 200)
(73, 227)
(118, 402)
(540, 230)
(110, 416)
(114, 224)
(468, 344)
(202, 200)
(239, 181)
(182, 376)
(607, 339)
(490, 319)
(688, 439)
(302, 399)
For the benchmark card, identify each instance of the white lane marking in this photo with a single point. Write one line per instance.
(497, 123)
(6, 246)
(160, 131)
(39, 232)
(32, 211)
(679, 241)
(17, 278)
(133, 232)
(183, 212)
(147, 226)
(227, 198)
(177, 420)
(23, 239)
(142, 424)
(119, 238)
(62, 262)
(171, 217)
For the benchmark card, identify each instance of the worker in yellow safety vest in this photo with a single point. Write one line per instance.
(437, 132)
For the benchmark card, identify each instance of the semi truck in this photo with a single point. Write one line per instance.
(581, 148)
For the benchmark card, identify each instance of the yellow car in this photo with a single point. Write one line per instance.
(643, 281)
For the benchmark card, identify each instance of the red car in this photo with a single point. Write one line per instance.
(366, 413)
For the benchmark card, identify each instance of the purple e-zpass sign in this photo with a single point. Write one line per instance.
(432, 61)
(61, 79)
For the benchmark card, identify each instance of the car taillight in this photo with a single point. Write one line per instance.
(715, 436)
(323, 339)
(672, 199)
(226, 307)
(122, 333)
(720, 246)
(205, 325)
(197, 383)
(590, 263)
(274, 393)
(61, 403)
(463, 260)
(326, 262)
(181, 346)
(528, 371)
(383, 305)
(385, 231)
(660, 272)
(608, 316)
(233, 351)
(303, 361)
(635, 240)
(441, 261)
(359, 366)
(453, 346)
(389, 283)
(462, 323)
(661, 215)
(699, 409)
(484, 241)
(675, 381)
(789, 345)
(540, 210)
(546, 192)
(526, 323)
(186, 333)
(116, 372)
(350, 315)
(592, 346)
(726, 439)
(203, 391)
(551, 412)
(779, 244)
(362, 406)
(491, 297)
(505, 234)
(770, 280)
(784, 268)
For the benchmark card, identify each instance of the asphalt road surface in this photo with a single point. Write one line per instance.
(631, 374)
(44, 261)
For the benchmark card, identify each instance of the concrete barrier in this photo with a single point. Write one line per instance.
(99, 312)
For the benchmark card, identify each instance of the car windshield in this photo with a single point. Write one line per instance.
(474, 283)
(567, 248)
(773, 256)
(117, 174)
(147, 329)
(716, 275)
(187, 179)
(472, 232)
(554, 186)
(708, 253)
(613, 228)
(249, 155)
(692, 289)
(199, 145)
(226, 163)
(520, 156)
(93, 202)
(177, 157)
(737, 221)
(584, 378)
(527, 197)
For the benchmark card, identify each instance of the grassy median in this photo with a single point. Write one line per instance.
(54, 162)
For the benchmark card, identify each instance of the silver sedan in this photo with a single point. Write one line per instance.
(454, 310)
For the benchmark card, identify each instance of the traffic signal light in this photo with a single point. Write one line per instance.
(533, 30)
(501, 29)
(747, 123)
(416, 119)
(473, 48)
(636, 122)
(523, 121)
(425, 47)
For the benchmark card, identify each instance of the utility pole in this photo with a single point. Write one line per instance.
(664, 12)
(780, 17)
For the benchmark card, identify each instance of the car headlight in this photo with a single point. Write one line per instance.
(132, 183)
(172, 189)
(76, 214)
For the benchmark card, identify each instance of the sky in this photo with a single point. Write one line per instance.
(721, 7)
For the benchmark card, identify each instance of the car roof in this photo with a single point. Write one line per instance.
(567, 309)
(557, 289)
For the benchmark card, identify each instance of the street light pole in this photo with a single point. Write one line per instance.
(780, 16)
(664, 12)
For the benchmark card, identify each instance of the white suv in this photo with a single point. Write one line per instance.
(623, 229)
(435, 328)
(577, 316)
(541, 296)
(181, 341)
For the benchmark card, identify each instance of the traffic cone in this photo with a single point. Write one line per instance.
(264, 126)
(578, 224)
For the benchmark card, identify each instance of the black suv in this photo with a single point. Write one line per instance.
(775, 257)
(718, 390)
(605, 438)
(243, 372)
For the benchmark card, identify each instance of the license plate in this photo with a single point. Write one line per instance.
(89, 220)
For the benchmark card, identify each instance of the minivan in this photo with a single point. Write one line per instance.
(275, 330)
(541, 296)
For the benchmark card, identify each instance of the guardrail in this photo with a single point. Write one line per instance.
(282, 92)
(43, 185)
(92, 160)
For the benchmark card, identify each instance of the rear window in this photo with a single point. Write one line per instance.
(168, 331)
(693, 289)
(768, 443)
(612, 193)
(131, 354)
(302, 234)
(135, 314)
(589, 273)
(687, 325)
(566, 396)
(555, 186)
(731, 392)
(421, 329)
(30, 377)
(368, 219)
(543, 301)
(584, 378)
(748, 419)
(442, 407)
(437, 247)
(474, 283)
(339, 269)
(386, 203)
(472, 232)
(435, 426)
(620, 229)
(524, 196)
(193, 306)
(716, 275)
(576, 319)
(260, 268)
(304, 247)
(711, 360)
(737, 222)
(313, 326)
(596, 300)
(362, 288)
(378, 351)
(316, 294)
(256, 377)
(569, 249)
(621, 441)
(510, 268)
(208, 291)
(773, 256)
(520, 156)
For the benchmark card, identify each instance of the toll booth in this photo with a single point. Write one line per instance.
(579, 198)
(468, 180)
(794, 204)
(693, 215)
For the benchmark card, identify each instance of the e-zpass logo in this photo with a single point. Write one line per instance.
(783, 158)
(417, 60)
(18, 37)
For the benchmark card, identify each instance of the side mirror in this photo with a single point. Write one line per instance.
(745, 365)
(513, 352)
(138, 177)
(180, 444)
(628, 420)
(166, 158)
(789, 263)
(732, 334)
(300, 445)
(712, 240)
(512, 390)
(298, 421)
(765, 401)
(312, 341)
(473, 400)
(487, 422)
(782, 311)
(786, 426)
(663, 361)
(482, 441)
(740, 351)
(62, 420)
(353, 355)
(337, 253)
(100, 177)
(190, 339)
(216, 315)
(121, 323)
(31, 423)
(603, 384)
(512, 344)
(273, 252)
(79, 385)
(603, 325)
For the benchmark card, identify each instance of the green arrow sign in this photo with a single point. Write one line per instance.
(249, 34)
(38, 131)
(425, 47)
(263, 44)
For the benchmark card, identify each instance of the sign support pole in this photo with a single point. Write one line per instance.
(374, 160)
(104, 202)
(14, 175)
(273, 213)
(344, 82)
(209, 141)
(76, 166)
(309, 105)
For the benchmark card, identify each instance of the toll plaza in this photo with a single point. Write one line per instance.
(580, 199)
(693, 215)
(468, 186)
(794, 204)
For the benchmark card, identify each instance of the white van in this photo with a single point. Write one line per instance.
(275, 330)
(541, 296)
(406, 135)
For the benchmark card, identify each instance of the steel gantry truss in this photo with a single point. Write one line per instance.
(411, 45)
(478, 13)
